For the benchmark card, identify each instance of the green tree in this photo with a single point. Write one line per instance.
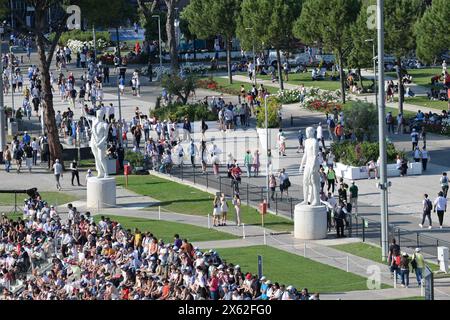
(400, 17)
(182, 88)
(433, 31)
(268, 23)
(360, 118)
(208, 18)
(328, 23)
(361, 53)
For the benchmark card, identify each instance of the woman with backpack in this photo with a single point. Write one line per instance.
(427, 207)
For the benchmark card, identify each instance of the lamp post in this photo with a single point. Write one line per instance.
(2, 107)
(160, 45)
(254, 60)
(383, 185)
(267, 148)
(374, 70)
(118, 87)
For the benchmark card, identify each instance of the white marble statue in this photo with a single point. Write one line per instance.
(311, 178)
(99, 135)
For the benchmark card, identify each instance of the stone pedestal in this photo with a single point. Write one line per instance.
(101, 193)
(310, 222)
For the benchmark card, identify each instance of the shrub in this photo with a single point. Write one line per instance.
(361, 118)
(136, 159)
(359, 154)
(288, 96)
(273, 120)
(83, 36)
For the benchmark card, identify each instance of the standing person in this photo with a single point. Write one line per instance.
(187, 129)
(394, 250)
(281, 143)
(331, 178)
(427, 206)
(404, 269)
(440, 206)
(28, 150)
(75, 173)
(223, 209)
(58, 172)
(272, 185)
(301, 138)
(35, 146)
(444, 183)
(390, 122)
(320, 137)
(203, 156)
(7, 156)
(204, 128)
(216, 211)
(425, 158)
(18, 154)
(339, 219)
(284, 182)
(417, 155)
(418, 264)
(354, 196)
(256, 163)
(248, 161)
(414, 139)
(237, 208)
(192, 153)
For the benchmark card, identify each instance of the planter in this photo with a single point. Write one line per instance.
(359, 173)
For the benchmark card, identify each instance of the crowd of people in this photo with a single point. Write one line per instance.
(80, 259)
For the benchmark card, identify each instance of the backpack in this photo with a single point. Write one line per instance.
(428, 205)
(414, 263)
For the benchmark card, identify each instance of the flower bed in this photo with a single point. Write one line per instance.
(288, 96)
(319, 100)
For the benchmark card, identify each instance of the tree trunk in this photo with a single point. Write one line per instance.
(195, 50)
(280, 70)
(401, 91)
(47, 103)
(341, 76)
(171, 37)
(228, 46)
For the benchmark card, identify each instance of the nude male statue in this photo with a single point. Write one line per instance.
(311, 178)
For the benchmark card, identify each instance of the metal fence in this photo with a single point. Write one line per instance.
(370, 231)
(250, 194)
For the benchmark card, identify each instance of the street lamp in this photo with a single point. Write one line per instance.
(2, 107)
(160, 45)
(383, 185)
(254, 59)
(374, 70)
(267, 148)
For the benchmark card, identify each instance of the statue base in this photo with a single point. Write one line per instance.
(101, 192)
(310, 222)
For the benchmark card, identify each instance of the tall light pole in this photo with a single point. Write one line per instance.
(2, 107)
(160, 44)
(374, 58)
(267, 148)
(383, 185)
(118, 87)
(254, 60)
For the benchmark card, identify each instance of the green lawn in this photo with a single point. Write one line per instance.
(179, 198)
(411, 298)
(426, 103)
(55, 198)
(406, 113)
(421, 77)
(166, 230)
(236, 86)
(290, 269)
(370, 252)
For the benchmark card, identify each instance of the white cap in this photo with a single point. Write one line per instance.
(263, 278)
(237, 266)
(418, 249)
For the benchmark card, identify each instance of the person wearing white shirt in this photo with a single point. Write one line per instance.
(425, 158)
(58, 171)
(320, 134)
(35, 147)
(440, 206)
